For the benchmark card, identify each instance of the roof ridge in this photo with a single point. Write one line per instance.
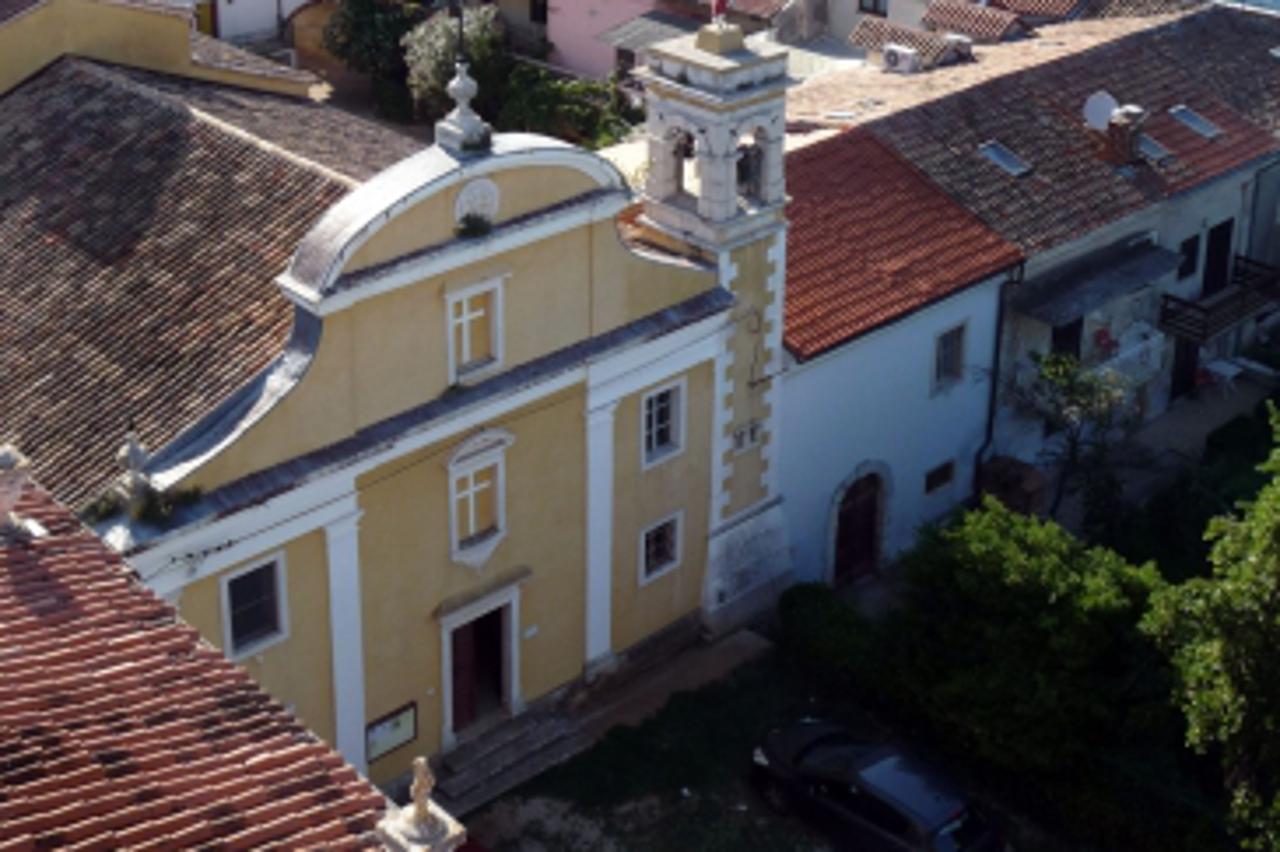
(109, 74)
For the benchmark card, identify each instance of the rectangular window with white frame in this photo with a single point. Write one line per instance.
(477, 497)
(660, 548)
(662, 415)
(948, 358)
(475, 330)
(254, 610)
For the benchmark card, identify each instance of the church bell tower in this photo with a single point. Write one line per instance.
(716, 189)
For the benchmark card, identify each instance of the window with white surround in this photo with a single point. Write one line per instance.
(477, 497)
(660, 548)
(948, 358)
(254, 612)
(662, 423)
(475, 330)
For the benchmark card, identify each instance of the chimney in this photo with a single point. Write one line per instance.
(1124, 129)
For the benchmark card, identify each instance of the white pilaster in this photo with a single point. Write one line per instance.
(346, 637)
(600, 455)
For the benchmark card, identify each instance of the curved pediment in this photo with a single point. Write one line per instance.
(415, 206)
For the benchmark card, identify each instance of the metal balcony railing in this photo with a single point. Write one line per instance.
(1254, 285)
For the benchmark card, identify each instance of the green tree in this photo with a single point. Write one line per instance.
(578, 111)
(1024, 641)
(1223, 635)
(366, 34)
(1080, 405)
(431, 49)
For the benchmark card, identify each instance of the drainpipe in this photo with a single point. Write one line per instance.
(1014, 276)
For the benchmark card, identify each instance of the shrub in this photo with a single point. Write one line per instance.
(578, 111)
(1024, 640)
(431, 50)
(1222, 633)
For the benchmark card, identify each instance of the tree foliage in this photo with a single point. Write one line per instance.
(1025, 640)
(431, 50)
(1080, 405)
(579, 111)
(366, 35)
(1223, 634)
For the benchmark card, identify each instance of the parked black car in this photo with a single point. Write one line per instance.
(867, 796)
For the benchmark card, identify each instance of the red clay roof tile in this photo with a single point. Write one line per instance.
(983, 24)
(201, 757)
(871, 240)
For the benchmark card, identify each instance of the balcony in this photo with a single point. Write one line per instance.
(1254, 286)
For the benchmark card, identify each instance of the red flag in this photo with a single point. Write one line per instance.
(719, 8)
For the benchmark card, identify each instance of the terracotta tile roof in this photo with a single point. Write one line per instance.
(871, 240)
(1039, 8)
(206, 50)
(138, 243)
(1071, 189)
(983, 24)
(120, 727)
(1029, 95)
(1244, 75)
(874, 33)
(348, 144)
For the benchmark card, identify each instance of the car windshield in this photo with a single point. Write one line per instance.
(964, 831)
(831, 755)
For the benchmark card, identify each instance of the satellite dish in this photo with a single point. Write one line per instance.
(1098, 109)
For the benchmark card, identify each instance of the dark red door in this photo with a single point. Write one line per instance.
(478, 669)
(858, 530)
(464, 676)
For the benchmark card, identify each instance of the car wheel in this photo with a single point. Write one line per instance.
(775, 797)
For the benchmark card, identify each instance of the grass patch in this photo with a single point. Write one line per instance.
(698, 741)
(680, 780)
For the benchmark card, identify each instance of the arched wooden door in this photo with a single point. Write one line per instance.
(858, 529)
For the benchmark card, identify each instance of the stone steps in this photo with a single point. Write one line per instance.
(476, 773)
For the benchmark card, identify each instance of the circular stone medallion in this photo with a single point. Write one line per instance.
(478, 198)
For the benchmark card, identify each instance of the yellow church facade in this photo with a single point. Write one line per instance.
(525, 420)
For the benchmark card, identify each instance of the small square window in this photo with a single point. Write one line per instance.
(746, 436)
(254, 611)
(874, 7)
(1066, 338)
(939, 477)
(948, 364)
(660, 549)
(663, 415)
(1190, 257)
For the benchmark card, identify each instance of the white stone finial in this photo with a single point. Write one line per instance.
(422, 826)
(462, 130)
(133, 457)
(423, 783)
(14, 471)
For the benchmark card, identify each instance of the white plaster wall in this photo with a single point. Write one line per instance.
(871, 402)
(245, 20)
(1172, 222)
(573, 28)
(843, 17)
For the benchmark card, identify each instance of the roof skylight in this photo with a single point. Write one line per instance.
(1152, 150)
(1195, 121)
(1008, 161)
